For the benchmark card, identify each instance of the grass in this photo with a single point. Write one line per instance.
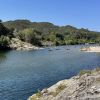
(58, 90)
(89, 71)
(98, 69)
(38, 94)
(85, 72)
(60, 87)
(33, 98)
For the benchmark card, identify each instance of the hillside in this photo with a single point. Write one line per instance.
(44, 27)
(46, 34)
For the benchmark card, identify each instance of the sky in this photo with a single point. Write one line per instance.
(78, 13)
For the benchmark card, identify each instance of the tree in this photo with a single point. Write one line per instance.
(30, 36)
(0, 21)
(3, 30)
(4, 41)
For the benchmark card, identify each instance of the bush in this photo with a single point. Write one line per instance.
(84, 72)
(38, 94)
(4, 41)
(3, 30)
(30, 36)
(58, 90)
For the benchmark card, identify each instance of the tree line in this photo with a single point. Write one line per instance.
(44, 32)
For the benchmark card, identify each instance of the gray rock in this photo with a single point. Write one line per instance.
(85, 87)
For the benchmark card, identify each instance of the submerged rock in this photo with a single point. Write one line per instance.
(80, 87)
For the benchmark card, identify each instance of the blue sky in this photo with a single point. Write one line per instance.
(79, 13)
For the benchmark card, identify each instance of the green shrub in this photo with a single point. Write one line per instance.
(4, 41)
(85, 72)
(58, 90)
(38, 94)
(30, 36)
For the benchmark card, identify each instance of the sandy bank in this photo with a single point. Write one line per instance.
(91, 49)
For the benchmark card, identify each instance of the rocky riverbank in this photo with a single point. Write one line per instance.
(85, 86)
(20, 45)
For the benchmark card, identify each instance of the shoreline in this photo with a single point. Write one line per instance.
(17, 44)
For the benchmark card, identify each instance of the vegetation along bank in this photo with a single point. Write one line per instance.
(24, 34)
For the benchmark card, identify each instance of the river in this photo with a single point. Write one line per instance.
(22, 73)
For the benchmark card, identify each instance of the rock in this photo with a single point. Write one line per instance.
(85, 87)
(20, 45)
(44, 91)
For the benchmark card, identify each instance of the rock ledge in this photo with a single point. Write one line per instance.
(85, 86)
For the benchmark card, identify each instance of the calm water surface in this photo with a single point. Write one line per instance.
(24, 72)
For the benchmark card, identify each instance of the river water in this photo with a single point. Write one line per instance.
(24, 72)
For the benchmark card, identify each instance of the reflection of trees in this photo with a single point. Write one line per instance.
(2, 55)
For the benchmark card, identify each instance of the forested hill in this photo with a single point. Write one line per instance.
(44, 27)
(45, 33)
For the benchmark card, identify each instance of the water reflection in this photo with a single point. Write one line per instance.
(3, 56)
